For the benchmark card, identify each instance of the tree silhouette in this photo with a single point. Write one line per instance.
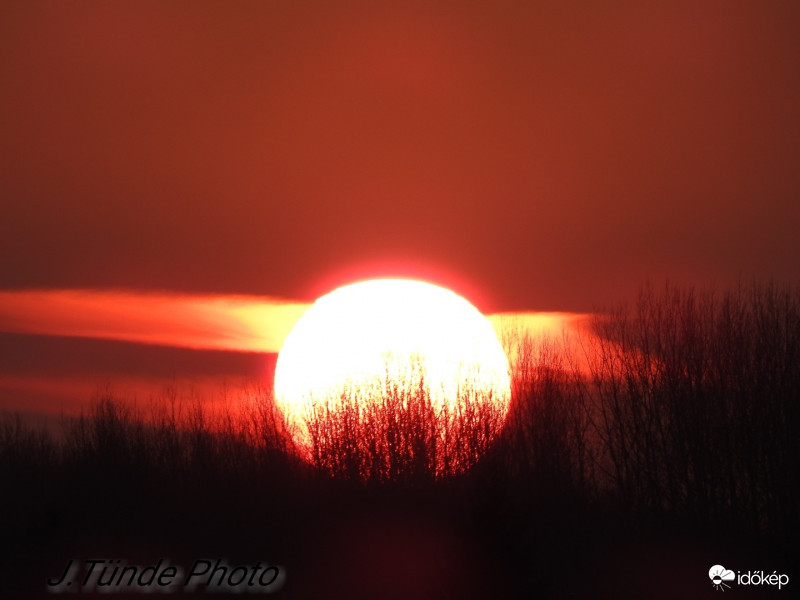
(395, 428)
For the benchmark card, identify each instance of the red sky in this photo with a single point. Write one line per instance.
(542, 156)
(533, 156)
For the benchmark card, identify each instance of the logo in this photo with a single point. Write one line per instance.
(719, 575)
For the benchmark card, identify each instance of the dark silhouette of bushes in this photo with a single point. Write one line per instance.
(690, 407)
(695, 398)
(679, 411)
(546, 439)
(396, 431)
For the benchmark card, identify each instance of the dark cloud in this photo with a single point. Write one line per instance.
(48, 356)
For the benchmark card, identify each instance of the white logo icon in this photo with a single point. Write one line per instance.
(719, 575)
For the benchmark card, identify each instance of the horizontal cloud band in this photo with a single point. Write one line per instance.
(238, 323)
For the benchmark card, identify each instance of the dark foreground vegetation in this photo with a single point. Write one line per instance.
(660, 443)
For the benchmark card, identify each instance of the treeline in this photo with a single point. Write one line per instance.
(171, 438)
(682, 407)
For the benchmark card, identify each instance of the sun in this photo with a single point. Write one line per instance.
(386, 376)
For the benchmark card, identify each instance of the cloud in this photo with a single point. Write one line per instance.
(239, 323)
(57, 347)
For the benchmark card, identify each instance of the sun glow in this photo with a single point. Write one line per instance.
(380, 349)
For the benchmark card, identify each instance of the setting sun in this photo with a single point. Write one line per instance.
(393, 353)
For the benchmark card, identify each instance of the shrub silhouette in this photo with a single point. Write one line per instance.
(396, 429)
(546, 438)
(695, 399)
(683, 414)
(690, 406)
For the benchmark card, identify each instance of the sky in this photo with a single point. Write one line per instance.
(533, 156)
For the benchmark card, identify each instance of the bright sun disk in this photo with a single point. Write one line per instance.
(378, 335)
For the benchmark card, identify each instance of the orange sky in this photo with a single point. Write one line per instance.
(542, 155)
